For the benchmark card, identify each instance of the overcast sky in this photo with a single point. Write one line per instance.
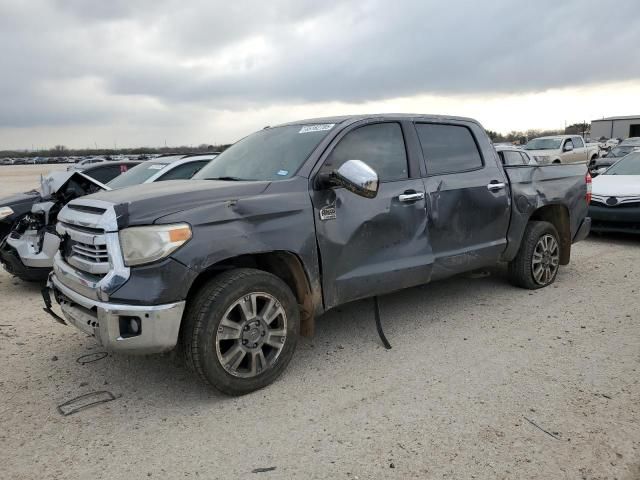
(142, 72)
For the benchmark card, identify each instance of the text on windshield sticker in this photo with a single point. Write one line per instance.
(321, 127)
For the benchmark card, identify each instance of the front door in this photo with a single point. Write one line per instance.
(468, 199)
(370, 246)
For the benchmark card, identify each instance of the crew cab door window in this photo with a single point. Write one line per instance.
(566, 143)
(577, 142)
(448, 148)
(381, 146)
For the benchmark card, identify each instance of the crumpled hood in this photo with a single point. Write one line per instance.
(51, 183)
(144, 204)
(616, 186)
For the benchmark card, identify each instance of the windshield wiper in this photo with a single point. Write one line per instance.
(230, 179)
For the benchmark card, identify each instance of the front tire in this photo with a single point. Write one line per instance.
(241, 330)
(537, 262)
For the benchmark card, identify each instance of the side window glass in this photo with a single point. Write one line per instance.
(577, 142)
(512, 158)
(381, 146)
(568, 142)
(182, 172)
(104, 174)
(448, 148)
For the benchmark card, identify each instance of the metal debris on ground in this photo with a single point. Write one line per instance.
(85, 401)
(540, 428)
(376, 312)
(262, 470)
(91, 357)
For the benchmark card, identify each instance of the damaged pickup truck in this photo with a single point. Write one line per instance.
(296, 219)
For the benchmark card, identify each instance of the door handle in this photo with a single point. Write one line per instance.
(496, 186)
(411, 197)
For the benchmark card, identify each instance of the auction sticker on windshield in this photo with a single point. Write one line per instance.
(317, 128)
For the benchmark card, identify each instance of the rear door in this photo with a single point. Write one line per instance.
(370, 246)
(468, 200)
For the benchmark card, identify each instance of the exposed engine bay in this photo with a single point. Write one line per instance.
(29, 248)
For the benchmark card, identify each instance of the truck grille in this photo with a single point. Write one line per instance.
(91, 253)
(88, 257)
(84, 244)
(90, 260)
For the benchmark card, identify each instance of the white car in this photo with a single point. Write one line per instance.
(89, 162)
(561, 149)
(615, 197)
(172, 167)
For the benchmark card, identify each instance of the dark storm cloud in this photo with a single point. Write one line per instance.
(73, 61)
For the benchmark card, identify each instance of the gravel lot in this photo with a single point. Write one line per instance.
(475, 362)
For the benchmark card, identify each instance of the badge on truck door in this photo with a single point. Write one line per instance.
(328, 212)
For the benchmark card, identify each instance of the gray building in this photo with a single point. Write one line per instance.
(616, 127)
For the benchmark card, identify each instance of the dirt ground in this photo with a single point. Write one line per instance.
(484, 381)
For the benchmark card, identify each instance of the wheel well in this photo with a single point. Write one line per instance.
(558, 216)
(557, 160)
(284, 265)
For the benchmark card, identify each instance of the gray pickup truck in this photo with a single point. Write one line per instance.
(296, 219)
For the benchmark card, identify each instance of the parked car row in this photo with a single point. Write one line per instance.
(73, 159)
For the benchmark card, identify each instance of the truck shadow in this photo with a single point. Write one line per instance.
(162, 383)
(623, 239)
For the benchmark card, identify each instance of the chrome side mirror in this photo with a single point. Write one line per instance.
(357, 177)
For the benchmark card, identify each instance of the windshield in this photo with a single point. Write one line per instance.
(138, 174)
(270, 154)
(632, 141)
(619, 152)
(543, 144)
(629, 165)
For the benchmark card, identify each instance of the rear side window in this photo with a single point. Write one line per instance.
(381, 146)
(104, 174)
(511, 158)
(183, 172)
(448, 148)
(577, 142)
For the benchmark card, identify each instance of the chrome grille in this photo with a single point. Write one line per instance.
(91, 257)
(90, 260)
(91, 253)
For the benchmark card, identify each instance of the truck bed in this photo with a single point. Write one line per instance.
(536, 186)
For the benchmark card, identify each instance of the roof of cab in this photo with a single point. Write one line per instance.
(389, 116)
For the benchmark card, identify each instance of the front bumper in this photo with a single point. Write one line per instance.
(621, 218)
(12, 263)
(159, 325)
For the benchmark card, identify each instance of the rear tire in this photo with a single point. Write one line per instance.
(537, 262)
(241, 330)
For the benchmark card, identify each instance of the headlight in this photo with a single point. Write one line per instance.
(5, 212)
(148, 244)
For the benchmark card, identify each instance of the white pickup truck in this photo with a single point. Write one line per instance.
(561, 149)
